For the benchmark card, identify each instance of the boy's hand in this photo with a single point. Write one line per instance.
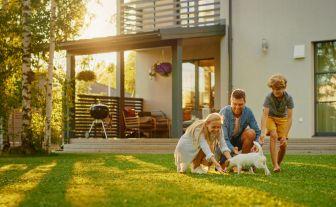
(262, 139)
(283, 141)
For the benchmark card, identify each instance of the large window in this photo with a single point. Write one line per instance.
(197, 87)
(325, 88)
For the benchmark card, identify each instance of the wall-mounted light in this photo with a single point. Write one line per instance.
(264, 45)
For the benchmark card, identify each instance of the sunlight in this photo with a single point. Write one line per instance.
(103, 21)
(13, 194)
(155, 183)
(311, 165)
(102, 24)
(143, 166)
(82, 187)
(13, 167)
(260, 180)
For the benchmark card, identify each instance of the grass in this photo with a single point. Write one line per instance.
(151, 180)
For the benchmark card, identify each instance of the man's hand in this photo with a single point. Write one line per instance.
(254, 149)
(235, 150)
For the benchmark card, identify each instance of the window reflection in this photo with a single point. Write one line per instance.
(197, 88)
(325, 81)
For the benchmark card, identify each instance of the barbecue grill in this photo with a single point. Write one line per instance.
(98, 112)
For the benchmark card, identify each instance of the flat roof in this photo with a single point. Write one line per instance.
(158, 38)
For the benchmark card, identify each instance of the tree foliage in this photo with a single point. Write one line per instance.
(69, 20)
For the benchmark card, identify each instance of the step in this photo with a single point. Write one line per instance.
(167, 145)
(130, 140)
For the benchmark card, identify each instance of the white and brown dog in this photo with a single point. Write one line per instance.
(256, 159)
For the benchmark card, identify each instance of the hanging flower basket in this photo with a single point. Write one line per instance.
(86, 75)
(163, 68)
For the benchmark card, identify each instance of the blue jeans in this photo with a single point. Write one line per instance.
(236, 142)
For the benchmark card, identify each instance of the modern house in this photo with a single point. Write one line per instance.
(215, 46)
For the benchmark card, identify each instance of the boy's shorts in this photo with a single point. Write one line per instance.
(278, 124)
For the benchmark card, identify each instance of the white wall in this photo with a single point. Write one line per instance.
(283, 24)
(223, 79)
(157, 93)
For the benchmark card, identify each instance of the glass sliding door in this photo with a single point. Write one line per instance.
(325, 88)
(197, 88)
(188, 90)
(206, 84)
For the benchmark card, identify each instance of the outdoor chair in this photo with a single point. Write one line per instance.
(161, 123)
(137, 124)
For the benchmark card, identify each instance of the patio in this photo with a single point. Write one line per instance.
(177, 39)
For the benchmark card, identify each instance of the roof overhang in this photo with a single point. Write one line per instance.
(159, 38)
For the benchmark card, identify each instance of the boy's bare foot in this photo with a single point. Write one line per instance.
(276, 169)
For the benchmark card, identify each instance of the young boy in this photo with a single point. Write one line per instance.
(277, 118)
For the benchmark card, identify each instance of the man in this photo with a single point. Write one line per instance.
(239, 127)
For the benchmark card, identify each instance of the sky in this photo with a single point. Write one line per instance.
(102, 22)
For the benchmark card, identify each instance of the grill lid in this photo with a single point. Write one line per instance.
(99, 111)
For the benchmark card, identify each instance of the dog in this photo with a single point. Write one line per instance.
(256, 159)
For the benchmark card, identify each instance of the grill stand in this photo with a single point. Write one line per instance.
(97, 121)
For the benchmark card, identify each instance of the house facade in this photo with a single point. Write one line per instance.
(268, 37)
(218, 45)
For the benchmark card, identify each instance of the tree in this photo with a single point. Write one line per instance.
(47, 137)
(27, 78)
(130, 73)
(67, 25)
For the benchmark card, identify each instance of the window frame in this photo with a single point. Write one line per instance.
(316, 102)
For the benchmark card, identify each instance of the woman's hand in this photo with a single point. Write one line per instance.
(219, 168)
(235, 150)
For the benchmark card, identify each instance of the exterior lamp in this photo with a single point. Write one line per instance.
(264, 45)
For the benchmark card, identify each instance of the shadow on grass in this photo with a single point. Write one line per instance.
(151, 180)
(302, 180)
(304, 184)
(11, 168)
(51, 190)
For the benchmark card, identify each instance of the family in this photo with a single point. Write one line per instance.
(218, 137)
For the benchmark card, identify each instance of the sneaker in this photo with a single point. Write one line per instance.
(198, 170)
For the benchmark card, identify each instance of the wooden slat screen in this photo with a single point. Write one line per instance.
(83, 119)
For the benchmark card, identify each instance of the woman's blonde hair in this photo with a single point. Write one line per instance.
(201, 124)
(277, 81)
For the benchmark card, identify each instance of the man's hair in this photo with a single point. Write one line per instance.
(277, 81)
(238, 94)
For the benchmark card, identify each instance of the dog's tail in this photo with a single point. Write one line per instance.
(259, 147)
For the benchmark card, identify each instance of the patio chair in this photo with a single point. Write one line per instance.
(161, 123)
(135, 123)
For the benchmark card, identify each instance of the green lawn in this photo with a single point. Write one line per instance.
(151, 180)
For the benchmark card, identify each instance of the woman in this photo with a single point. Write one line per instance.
(197, 145)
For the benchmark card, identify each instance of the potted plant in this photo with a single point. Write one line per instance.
(86, 75)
